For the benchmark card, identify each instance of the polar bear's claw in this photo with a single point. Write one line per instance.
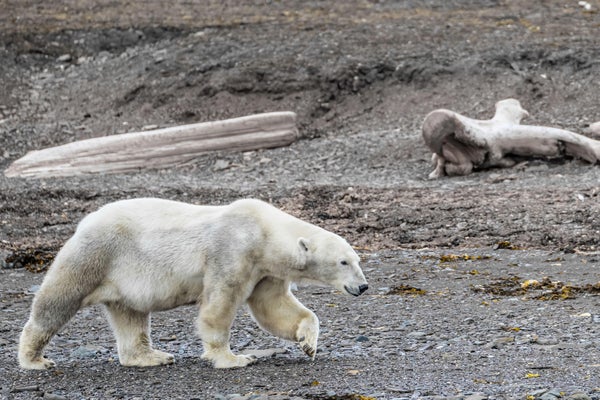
(310, 351)
(308, 335)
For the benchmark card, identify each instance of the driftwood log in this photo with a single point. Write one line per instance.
(157, 148)
(461, 145)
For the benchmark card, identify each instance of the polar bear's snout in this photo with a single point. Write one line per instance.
(357, 291)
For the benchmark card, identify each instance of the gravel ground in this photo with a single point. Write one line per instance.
(453, 310)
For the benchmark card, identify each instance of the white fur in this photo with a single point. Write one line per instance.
(145, 255)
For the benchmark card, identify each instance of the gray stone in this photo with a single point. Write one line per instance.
(550, 395)
(417, 335)
(476, 396)
(52, 396)
(64, 58)
(537, 393)
(578, 396)
(89, 351)
(33, 289)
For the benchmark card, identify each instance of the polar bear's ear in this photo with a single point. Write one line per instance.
(303, 250)
(303, 243)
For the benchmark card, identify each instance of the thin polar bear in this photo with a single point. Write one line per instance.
(143, 255)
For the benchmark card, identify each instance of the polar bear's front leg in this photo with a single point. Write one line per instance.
(132, 331)
(214, 323)
(278, 311)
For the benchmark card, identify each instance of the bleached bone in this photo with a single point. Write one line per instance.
(462, 144)
(593, 129)
(157, 148)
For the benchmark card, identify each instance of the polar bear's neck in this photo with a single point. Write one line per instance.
(283, 251)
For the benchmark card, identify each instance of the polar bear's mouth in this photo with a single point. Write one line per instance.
(356, 291)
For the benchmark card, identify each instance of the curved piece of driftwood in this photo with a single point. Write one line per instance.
(460, 144)
(157, 148)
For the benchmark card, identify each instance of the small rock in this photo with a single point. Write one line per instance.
(52, 396)
(33, 289)
(538, 393)
(90, 351)
(578, 396)
(221, 165)
(551, 395)
(546, 341)
(19, 389)
(362, 338)
(476, 396)
(594, 129)
(501, 341)
(417, 334)
(64, 58)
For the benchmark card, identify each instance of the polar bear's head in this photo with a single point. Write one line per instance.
(328, 259)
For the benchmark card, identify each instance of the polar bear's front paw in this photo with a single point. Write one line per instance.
(308, 334)
(229, 360)
(38, 363)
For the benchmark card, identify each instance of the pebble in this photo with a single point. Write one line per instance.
(594, 128)
(64, 58)
(19, 389)
(362, 338)
(499, 342)
(578, 396)
(476, 396)
(550, 395)
(546, 341)
(33, 289)
(89, 351)
(417, 335)
(52, 396)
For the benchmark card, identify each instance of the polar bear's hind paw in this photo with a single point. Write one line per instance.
(39, 363)
(149, 359)
(230, 360)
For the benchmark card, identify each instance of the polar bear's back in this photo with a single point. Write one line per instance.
(153, 223)
(146, 213)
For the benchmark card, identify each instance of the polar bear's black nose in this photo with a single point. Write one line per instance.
(363, 288)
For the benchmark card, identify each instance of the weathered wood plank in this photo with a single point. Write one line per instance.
(157, 148)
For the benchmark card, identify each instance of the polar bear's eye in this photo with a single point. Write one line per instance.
(344, 262)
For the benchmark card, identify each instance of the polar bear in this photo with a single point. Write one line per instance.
(143, 255)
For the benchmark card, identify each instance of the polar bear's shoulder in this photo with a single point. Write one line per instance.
(262, 211)
(253, 206)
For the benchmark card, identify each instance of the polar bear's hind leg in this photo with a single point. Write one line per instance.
(132, 332)
(56, 302)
